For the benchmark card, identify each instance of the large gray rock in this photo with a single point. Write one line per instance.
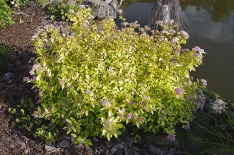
(118, 149)
(100, 8)
(155, 150)
(104, 8)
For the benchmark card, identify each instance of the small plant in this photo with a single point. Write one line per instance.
(209, 132)
(18, 3)
(41, 3)
(59, 9)
(5, 58)
(26, 119)
(219, 138)
(96, 79)
(5, 14)
(58, 12)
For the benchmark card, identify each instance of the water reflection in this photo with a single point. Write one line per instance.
(219, 10)
(218, 32)
(212, 30)
(218, 41)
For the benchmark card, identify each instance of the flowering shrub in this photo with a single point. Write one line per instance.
(96, 78)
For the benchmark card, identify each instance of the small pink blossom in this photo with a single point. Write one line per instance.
(172, 31)
(34, 37)
(88, 92)
(185, 34)
(71, 11)
(187, 127)
(174, 41)
(129, 115)
(35, 114)
(104, 102)
(165, 32)
(34, 78)
(82, 6)
(131, 102)
(171, 137)
(119, 11)
(71, 35)
(124, 24)
(203, 82)
(196, 55)
(183, 50)
(81, 144)
(34, 68)
(172, 21)
(46, 26)
(198, 49)
(179, 91)
(26, 79)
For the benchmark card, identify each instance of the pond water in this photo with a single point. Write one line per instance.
(212, 30)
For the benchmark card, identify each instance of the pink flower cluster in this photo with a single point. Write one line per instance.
(179, 91)
(171, 137)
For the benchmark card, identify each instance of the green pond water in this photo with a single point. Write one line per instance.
(212, 29)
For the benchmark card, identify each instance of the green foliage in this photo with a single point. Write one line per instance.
(18, 3)
(219, 11)
(27, 120)
(210, 95)
(23, 116)
(5, 58)
(59, 9)
(97, 78)
(220, 137)
(42, 2)
(5, 13)
(209, 132)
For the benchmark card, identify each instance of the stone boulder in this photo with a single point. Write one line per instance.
(100, 8)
